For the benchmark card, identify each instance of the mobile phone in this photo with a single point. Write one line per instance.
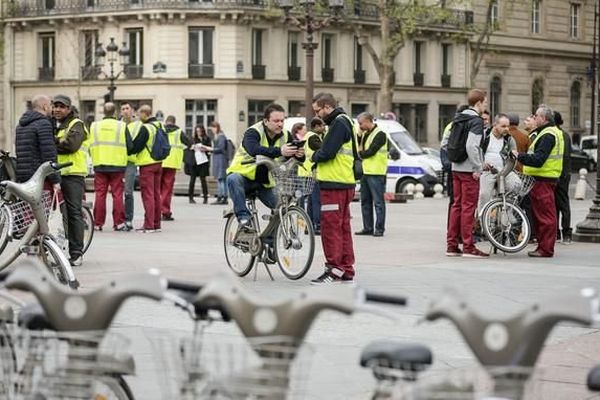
(298, 143)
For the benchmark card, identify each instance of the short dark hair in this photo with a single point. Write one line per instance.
(297, 126)
(475, 96)
(170, 119)
(558, 120)
(513, 119)
(316, 121)
(486, 112)
(271, 108)
(215, 124)
(121, 104)
(325, 99)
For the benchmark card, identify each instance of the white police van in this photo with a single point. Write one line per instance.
(413, 166)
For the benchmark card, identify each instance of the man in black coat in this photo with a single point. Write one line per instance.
(34, 141)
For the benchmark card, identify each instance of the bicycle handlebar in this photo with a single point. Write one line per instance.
(58, 166)
(517, 340)
(385, 299)
(186, 287)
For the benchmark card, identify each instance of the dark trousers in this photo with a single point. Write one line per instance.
(372, 189)
(449, 184)
(544, 215)
(192, 186)
(102, 181)
(129, 187)
(563, 207)
(336, 234)
(526, 206)
(73, 189)
(150, 187)
(167, 182)
(462, 212)
(313, 207)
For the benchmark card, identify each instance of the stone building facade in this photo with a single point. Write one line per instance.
(225, 60)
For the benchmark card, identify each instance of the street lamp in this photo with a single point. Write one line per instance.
(310, 25)
(112, 53)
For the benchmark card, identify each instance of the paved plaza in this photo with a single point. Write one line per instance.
(409, 260)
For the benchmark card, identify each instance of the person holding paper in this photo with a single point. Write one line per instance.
(197, 163)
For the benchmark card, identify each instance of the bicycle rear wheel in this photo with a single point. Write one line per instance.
(506, 226)
(238, 246)
(294, 243)
(57, 263)
(88, 227)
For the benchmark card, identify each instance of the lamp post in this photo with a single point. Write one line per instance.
(112, 53)
(309, 25)
(588, 230)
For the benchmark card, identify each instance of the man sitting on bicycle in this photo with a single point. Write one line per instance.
(496, 147)
(266, 138)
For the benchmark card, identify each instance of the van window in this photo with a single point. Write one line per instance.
(406, 143)
(589, 144)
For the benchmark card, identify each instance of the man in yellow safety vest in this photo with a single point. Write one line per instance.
(133, 127)
(171, 165)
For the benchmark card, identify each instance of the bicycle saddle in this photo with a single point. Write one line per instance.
(33, 317)
(593, 379)
(396, 355)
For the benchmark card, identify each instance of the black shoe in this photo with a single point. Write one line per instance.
(168, 218)
(192, 201)
(76, 261)
(328, 278)
(205, 200)
(364, 233)
(378, 234)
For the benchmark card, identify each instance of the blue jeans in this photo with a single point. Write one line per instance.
(129, 186)
(314, 207)
(221, 187)
(372, 188)
(238, 187)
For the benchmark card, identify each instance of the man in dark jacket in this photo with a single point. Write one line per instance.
(34, 141)
(561, 193)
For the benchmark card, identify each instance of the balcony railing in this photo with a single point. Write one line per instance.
(258, 72)
(46, 74)
(293, 73)
(359, 76)
(446, 80)
(134, 71)
(327, 74)
(90, 72)
(418, 78)
(201, 70)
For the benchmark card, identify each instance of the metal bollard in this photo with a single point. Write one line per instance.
(581, 185)
(419, 189)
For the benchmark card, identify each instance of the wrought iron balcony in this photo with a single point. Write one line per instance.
(327, 74)
(258, 72)
(134, 71)
(201, 70)
(446, 80)
(46, 74)
(293, 73)
(90, 72)
(418, 78)
(359, 76)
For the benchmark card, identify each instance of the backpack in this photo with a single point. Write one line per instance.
(229, 150)
(457, 141)
(161, 146)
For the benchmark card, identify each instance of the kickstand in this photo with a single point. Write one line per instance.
(267, 268)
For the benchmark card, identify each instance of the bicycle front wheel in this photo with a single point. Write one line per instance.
(88, 227)
(294, 243)
(57, 263)
(238, 245)
(506, 226)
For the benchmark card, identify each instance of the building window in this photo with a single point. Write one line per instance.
(418, 76)
(576, 105)
(47, 51)
(200, 53)
(135, 42)
(495, 13)
(88, 111)
(258, 68)
(293, 56)
(414, 118)
(327, 71)
(89, 71)
(535, 16)
(574, 27)
(359, 72)
(446, 64)
(537, 94)
(357, 108)
(256, 109)
(495, 97)
(295, 108)
(199, 112)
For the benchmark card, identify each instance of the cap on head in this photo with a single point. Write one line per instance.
(62, 99)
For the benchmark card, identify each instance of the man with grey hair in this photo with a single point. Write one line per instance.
(544, 161)
(373, 149)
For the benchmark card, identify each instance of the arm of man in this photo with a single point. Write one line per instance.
(473, 144)
(185, 139)
(540, 154)
(72, 140)
(376, 144)
(139, 142)
(338, 134)
(251, 143)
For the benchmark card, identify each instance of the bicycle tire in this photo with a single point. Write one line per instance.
(4, 227)
(497, 223)
(88, 231)
(232, 252)
(57, 264)
(302, 233)
(119, 388)
(8, 361)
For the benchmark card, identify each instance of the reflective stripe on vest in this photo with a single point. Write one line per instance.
(107, 143)
(134, 129)
(144, 157)
(306, 168)
(341, 168)
(175, 158)
(79, 157)
(377, 164)
(553, 165)
(248, 170)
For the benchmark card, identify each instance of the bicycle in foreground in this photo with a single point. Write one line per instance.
(288, 226)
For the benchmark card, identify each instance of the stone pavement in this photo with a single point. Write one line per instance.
(409, 260)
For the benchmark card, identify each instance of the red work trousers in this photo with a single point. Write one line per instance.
(167, 181)
(544, 215)
(150, 187)
(462, 213)
(102, 182)
(336, 234)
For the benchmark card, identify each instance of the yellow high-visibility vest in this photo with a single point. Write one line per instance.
(175, 158)
(134, 129)
(107, 143)
(306, 168)
(144, 157)
(553, 165)
(377, 164)
(78, 158)
(341, 168)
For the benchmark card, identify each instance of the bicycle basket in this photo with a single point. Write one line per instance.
(73, 365)
(22, 214)
(220, 367)
(525, 186)
(289, 183)
(507, 383)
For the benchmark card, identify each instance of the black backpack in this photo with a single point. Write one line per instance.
(161, 148)
(457, 141)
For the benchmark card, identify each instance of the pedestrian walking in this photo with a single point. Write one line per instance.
(220, 161)
(108, 149)
(171, 165)
(335, 171)
(561, 194)
(133, 127)
(198, 165)
(71, 146)
(314, 140)
(150, 170)
(373, 149)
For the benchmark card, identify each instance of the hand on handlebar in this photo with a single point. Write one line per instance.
(289, 151)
